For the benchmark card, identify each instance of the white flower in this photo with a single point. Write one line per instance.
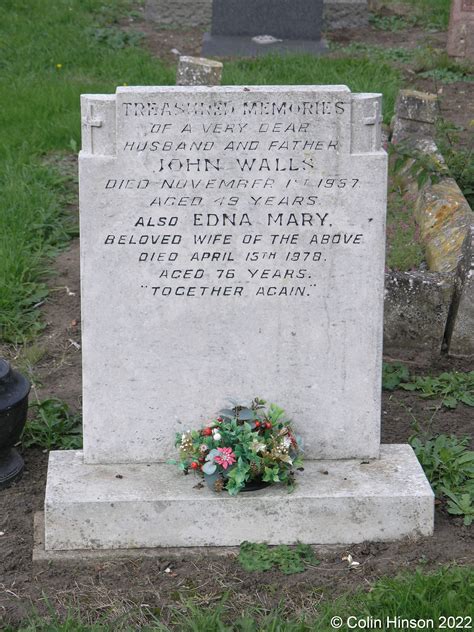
(286, 442)
(217, 436)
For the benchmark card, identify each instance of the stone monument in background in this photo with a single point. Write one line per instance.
(461, 30)
(232, 246)
(247, 28)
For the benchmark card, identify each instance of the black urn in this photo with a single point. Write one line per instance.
(14, 389)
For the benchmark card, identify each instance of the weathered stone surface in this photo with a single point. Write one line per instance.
(345, 14)
(461, 29)
(198, 71)
(444, 218)
(416, 311)
(162, 353)
(88, 507)
(461, 339)
(415, 115)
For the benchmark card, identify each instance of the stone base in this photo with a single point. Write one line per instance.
(153, 505)
(229, 46)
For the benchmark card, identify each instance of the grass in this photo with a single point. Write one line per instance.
(49, 58)
(446, 592)
(360, 74)
(429, 14)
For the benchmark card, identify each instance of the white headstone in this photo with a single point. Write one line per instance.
(232, 246)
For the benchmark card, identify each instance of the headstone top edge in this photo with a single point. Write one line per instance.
(97, 97)
(232, 89)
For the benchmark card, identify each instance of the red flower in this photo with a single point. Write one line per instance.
(194, 465)
(225, 458)
(206, 432)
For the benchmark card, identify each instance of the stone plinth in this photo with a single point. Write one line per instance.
(148, 505)
(461, 29)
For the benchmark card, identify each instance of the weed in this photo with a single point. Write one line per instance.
(452, 388)
(444, 75)
(449, 467)
(460, 162)
(391, 22)
(115, 38)
(261, 557)
(374, 52)
(433, 14)
(53, 427)
(393, 374)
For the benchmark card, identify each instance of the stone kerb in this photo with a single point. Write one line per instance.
(423, 307)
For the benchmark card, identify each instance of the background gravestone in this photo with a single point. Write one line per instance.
(461, 29)
(254, 27)
(232, 246)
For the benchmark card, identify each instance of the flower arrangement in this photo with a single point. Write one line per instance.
(241, 447)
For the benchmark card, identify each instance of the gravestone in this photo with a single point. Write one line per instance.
(255, 27)
(232, 246)
(461, 30)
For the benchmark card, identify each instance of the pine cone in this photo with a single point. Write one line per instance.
(219, 485)
(254, 468)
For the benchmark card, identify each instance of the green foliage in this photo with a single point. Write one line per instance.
(49, 58)
(460, 161)
(449, 466)
(392, 23)
(404, 250)
(444, 75)
(422, 167)
(431, 14)
(393, 374)
(434, 63)
(53, 427)
(361, 75)
(242, 444)
(115, 38)
(261, 557)
(451, 388)
(375, 52)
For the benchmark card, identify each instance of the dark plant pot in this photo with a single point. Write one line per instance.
(251, 486)
(14, 389)
(255, 484)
